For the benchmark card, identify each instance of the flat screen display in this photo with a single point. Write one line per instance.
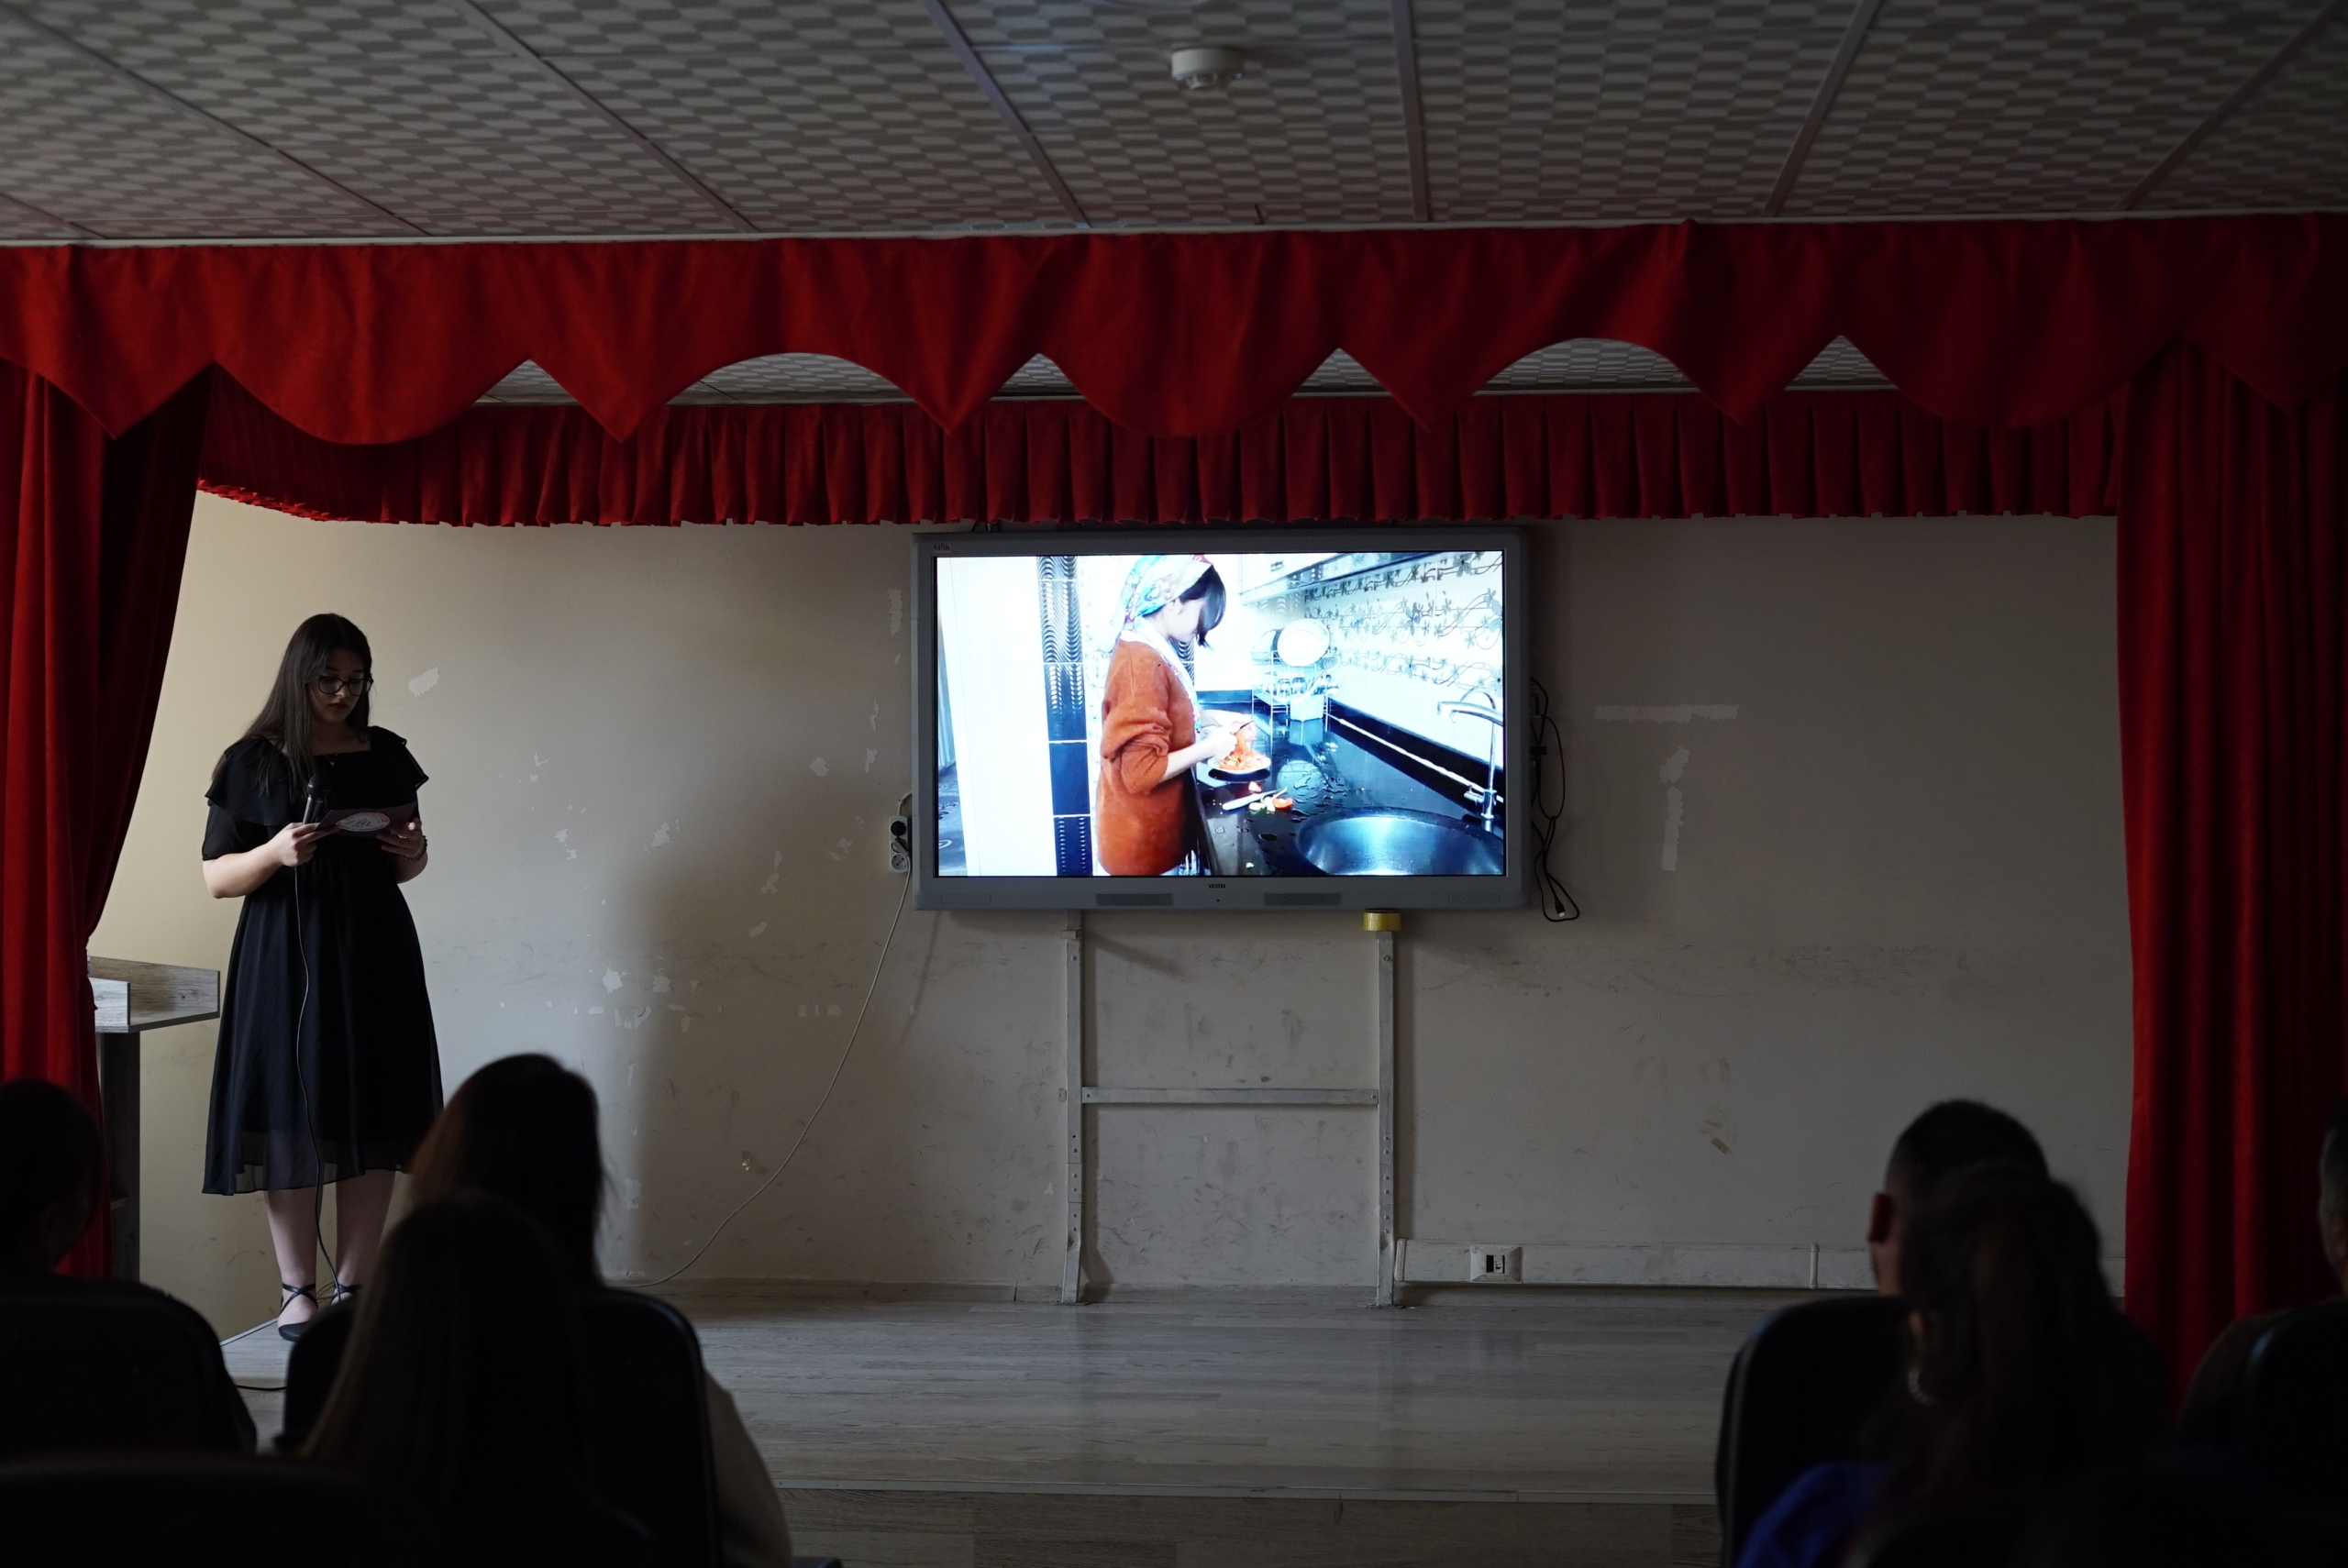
(1231, 720)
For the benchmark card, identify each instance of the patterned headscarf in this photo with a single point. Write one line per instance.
(1156, 582)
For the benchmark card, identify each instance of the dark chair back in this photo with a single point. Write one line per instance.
(1800, 1393)
(1983, 1532)
(2294, 1405)
(648, 1419)
(317, 1356)
(204, 1512)
(110, 1369)
(647, 1430)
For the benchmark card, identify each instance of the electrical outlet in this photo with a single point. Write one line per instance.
(900, 845)
(1495, 1265)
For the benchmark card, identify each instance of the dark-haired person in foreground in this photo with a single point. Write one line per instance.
(2208, 1415)
(525, 1129)
(474, 1407)
(1952, 1137)
(2022, 1374)
(51, 1160)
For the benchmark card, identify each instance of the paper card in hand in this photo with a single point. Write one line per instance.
(365, 819)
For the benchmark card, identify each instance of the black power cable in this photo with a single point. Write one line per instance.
(1547, 740)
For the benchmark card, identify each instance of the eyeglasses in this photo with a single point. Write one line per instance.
(334, 686)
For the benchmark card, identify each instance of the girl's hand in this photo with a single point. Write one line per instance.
(296, 842)
(406, 840)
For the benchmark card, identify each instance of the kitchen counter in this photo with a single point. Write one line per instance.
(1314, 763)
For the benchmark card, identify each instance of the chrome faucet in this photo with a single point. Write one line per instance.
(1489, 713)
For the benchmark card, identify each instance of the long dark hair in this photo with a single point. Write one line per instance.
(2022, 1372)
(285, 720)
(1210, 587)
(464, 1379)
(524, 1128)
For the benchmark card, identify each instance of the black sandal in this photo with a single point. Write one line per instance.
(294, 1330)
(343, 1293)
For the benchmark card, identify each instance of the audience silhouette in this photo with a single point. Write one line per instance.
(525, 1128)
(2020, 1371)
(472, 1404)
(82, 1338)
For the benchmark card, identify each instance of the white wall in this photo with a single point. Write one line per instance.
(1899, 877)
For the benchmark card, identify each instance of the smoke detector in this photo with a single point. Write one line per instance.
(1208, 68)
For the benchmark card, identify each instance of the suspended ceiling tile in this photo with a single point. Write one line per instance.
(568, 186)
(1582, 364)
(792, 378)
(18, 222)
(820, 377)
(139, 33)
(1314, 132)
(779, 377)
(2014, 106)
(1340, 372)
(487, 145)
(728, 29)
(526, 385)
(1039, 378)
(459, 140)
(1276, 26)
(1657, 109)
(1840, 364)
(892, 140)
(87, 146)
(1591, 362)
(479, 95)
(2287, 147)
(1313, 143)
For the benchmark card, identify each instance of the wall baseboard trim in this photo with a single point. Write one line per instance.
(1704, 1266)
(718, 1290)
(1690, 1265)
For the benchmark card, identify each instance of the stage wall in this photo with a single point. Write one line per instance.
(1899, 877)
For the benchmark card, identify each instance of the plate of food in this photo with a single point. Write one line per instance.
(1243, 761)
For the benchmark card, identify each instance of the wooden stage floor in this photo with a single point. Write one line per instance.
(1191, 1428)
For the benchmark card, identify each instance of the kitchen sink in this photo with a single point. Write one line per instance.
(1387, 840)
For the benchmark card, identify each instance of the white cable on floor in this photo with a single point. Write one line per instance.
(854, 1031)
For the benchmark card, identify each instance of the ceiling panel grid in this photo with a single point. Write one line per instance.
(893, 140)
(2287, 147)
(233, 118)
(1653, 109)
(1960, 106)
(1584, 364)
(1314, 133)
(89, 146)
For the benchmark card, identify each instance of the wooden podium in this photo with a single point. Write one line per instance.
(133, 997)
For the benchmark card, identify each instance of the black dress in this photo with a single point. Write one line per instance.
(369, 1067)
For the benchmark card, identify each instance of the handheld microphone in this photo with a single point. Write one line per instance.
(314, 799)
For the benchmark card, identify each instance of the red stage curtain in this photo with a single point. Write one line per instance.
(95, 533)
(1985, 323)
(1644, 455)
(2234, 659)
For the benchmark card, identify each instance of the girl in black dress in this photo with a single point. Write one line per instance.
(328, 1070)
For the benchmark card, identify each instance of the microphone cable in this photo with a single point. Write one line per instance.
(312, 808)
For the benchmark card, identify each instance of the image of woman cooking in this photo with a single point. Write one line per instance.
(1153, 733)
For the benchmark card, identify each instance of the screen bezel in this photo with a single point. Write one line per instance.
(1508, 890)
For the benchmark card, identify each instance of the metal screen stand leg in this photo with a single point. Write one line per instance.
(1387, 1260)
(1073, 1098)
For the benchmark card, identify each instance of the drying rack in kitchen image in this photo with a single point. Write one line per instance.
(1355, 701)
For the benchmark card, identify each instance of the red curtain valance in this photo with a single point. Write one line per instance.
(1992, 324)
(1644, 455)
